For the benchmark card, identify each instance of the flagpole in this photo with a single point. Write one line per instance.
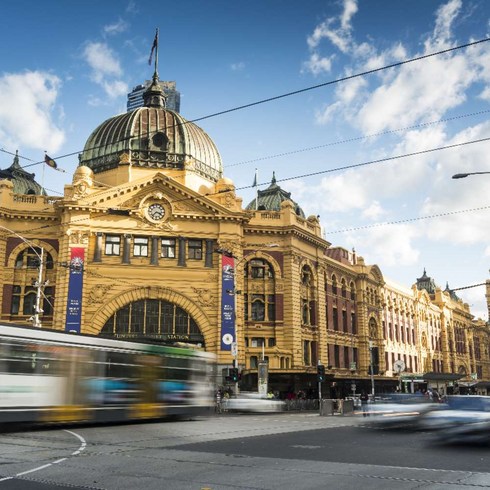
(156, 54)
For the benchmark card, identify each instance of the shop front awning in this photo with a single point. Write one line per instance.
(442, 376)
(483, 384)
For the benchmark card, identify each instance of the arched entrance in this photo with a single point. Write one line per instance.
(153, 319)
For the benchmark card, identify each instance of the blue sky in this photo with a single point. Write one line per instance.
(67, 66)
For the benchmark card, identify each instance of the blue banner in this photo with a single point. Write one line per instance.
(227, 302)
(75, 286)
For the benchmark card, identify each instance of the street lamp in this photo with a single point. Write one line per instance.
(229, 328)
(462, 176)
(36, 322)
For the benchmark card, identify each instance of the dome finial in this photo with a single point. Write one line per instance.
(273, 181)
(154, 96)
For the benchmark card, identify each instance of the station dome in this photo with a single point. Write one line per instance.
(154, 137)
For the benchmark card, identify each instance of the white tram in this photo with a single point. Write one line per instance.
(49, 376)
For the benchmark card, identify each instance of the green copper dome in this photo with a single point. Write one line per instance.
(271, 198)
(154, 137)
(23, 181)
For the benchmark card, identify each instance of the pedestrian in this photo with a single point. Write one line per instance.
(364, 404)
(219, 398)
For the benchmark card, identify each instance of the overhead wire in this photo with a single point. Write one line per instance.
(303, 90)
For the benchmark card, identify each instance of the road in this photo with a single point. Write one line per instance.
(270, 451)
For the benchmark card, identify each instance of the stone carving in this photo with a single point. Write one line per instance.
(98, 293)
(204, 297)
(78, 237)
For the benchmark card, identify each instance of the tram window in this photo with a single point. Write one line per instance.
(120, 366)
(20, 359)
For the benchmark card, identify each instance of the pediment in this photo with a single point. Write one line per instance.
(174, 200)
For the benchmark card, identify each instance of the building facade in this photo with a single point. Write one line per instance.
(138, 248)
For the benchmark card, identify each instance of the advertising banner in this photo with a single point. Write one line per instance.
(75, 286)
(227, 302)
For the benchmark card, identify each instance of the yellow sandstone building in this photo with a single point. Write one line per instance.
(150, 242)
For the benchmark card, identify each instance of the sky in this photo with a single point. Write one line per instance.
(68, 66)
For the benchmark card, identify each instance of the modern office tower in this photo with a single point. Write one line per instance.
(135, 97)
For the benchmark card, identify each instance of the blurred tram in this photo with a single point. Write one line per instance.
(48, 376)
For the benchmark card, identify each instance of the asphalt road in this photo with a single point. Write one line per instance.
(244, 452)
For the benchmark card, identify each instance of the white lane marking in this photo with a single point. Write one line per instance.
(83, 445)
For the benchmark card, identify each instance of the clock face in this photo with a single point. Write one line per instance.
(156, 211)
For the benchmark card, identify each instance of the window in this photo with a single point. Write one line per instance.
(257, 342)
(253, 362)
(29, 301)
(112, 245)
(140, 247)
(30, 258)
(352, 291)
(334, 285)
(353, 323)
(335, 319)
(168, 248)
(16, 293)
(258, 307)
(195, 249)
(344, 321)
(272, 342)
(344, 289)
(48, 301)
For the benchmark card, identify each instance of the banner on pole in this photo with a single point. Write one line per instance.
(227, 302)
(75, 286)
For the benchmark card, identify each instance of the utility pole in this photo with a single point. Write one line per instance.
(36, 322)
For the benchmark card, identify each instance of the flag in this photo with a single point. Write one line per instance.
(154, 46)
(50, 162)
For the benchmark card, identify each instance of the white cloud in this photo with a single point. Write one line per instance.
(337, 31)
(27, 103)
(374, 212)
(386, 245)
(240, 66)
(116, 28)
(317, 64)
(105, 67)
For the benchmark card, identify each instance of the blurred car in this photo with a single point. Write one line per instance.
(465, 419)
(400, 411)
(253, 402)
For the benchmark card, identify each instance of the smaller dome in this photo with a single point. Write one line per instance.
(272, 198)
(23, 182)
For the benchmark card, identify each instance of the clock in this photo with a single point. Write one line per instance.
(399, 366)
(156, 211)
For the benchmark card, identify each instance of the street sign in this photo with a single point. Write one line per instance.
(234, 349)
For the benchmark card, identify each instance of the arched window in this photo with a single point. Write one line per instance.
(352, 288)
(29, 258)
(343, 288)
(334, 284)
(153, 318)
(260, 291)
(308, 296)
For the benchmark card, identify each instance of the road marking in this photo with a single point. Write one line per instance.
(83, 445)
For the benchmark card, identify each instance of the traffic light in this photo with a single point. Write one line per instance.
(234, 376)
(320, 373)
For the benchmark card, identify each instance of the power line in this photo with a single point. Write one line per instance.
(296, 92)
(372, 162)
(469, 287)
(408, 220)
(343, 79)
(358, 138)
